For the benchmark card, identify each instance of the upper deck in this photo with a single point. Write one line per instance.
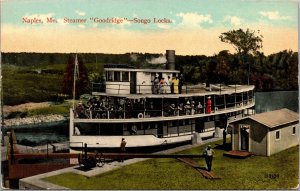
(156, 83)
(195, 101)
(127, 81)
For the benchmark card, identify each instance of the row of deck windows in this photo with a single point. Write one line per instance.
(120, 108)
(166, 128)
(117, 76)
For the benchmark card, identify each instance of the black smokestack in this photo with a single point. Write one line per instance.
(170, 54)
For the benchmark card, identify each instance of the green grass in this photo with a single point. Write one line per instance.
(20, 85)
(279, 171)
(61, 109)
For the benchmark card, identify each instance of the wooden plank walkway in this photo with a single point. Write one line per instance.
(206, 174)
(238, 154)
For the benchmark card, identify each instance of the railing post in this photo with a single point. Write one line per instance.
(215, 103)
(204, 105)
(162, 106)
(242, 99)
(186, 89)
(85, 151)
(225, 102)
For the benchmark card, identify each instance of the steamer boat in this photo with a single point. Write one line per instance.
(151, 108)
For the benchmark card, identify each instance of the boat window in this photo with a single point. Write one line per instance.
(187, 122)
(193, 121)
(145, 126)
(117, 76)
(109, 76)
(152, 125)
(181, 122)
(125, 76)
(174, 123)
(138, 126)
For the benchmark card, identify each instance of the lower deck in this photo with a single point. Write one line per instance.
(145, 133)
(159, 129)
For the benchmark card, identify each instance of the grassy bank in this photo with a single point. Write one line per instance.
(34, 109)
(22, 84)
(279, 171)
(60, 109)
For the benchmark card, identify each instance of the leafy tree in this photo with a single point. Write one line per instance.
(82, 80)
(223, 66)
(244, 42)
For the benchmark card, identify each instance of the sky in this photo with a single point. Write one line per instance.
(190, 27)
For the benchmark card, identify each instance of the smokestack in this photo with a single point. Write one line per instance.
(170, 54)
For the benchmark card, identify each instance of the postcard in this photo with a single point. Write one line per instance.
(143, 95)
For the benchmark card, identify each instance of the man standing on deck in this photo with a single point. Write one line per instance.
(208, 153)
(122, 146)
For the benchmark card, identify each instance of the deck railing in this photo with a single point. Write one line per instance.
(88, 113)
(154, 89)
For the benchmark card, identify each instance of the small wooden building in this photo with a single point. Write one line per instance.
(266, 133)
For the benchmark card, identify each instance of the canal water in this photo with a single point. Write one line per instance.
(265, 101)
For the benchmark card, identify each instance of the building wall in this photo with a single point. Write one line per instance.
(143, 82)
(258, 138)
(118, 88)
(235, 137)
(287, 139)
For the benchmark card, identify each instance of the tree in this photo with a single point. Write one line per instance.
(82, 81)
(223, 66)
(244, 42)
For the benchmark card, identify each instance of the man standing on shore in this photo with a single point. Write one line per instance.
(208, 153)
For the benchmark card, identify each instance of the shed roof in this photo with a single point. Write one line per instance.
(275, 118)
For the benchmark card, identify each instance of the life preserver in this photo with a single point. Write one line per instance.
(140, 115)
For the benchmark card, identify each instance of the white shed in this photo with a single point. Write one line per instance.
(266, 133)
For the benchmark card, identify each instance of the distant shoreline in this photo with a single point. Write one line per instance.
(38, 121)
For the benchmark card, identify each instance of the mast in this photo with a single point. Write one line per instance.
(1, 101)
(75, 77)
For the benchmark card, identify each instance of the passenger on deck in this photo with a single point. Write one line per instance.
(180, 109)
(80, 111)
(208, 105)
(162, 86)
(76, 131)
(170, 84)
(180, 83)
(156, 85)
(187, 108)
(175, 83)
(199, 107)
(193, 108)
(172, 110)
